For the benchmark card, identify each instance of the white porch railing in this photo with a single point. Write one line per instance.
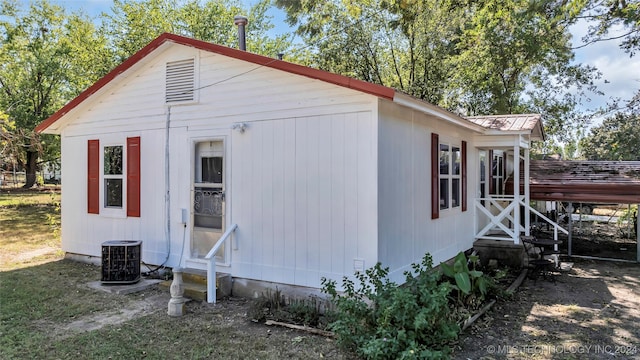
(211, 263)
(496, 221)
(497, 210)
(555, 225)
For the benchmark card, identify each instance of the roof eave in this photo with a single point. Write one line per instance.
(427, 108)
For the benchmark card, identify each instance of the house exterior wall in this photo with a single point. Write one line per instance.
(302, 178)
(405, 228)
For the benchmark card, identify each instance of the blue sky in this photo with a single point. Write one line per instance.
(620, 79)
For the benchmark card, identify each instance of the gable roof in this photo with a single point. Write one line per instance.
(529, 123)
(380, 91)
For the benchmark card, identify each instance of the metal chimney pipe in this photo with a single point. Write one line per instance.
(241, 21)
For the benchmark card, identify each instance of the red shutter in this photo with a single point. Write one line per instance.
(435, 176)
(133, 176)
(93, 177)
(463, 174)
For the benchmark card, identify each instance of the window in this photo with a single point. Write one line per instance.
(483, 176)
(118, 179)
(496, 186)
(113, 176)
(448, 176)
(450, 169)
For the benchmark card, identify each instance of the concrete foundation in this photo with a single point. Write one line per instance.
(506, 253)
(252, 289)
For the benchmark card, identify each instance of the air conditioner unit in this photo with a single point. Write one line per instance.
(121, 261)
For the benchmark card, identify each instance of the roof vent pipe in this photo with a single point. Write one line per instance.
(241, 21)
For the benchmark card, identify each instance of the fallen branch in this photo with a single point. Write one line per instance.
(518, 281)
(486, 308)
(301, 327)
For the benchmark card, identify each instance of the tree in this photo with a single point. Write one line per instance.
(134, 24)
(617, 138)
(623, 16)
(46, 58)
(470, 56)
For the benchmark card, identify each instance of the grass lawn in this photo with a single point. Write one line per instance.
(29, 224)
(47, 311)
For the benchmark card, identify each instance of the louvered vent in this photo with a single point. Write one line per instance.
(180, 81)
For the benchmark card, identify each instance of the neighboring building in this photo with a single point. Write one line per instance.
(323, 175)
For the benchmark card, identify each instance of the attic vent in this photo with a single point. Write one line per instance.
(180, 81)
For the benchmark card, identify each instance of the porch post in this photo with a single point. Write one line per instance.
(570, 228)
(638, 233)
(516, 191)
(527, 194)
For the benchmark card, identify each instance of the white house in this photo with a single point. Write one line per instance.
(310, 174)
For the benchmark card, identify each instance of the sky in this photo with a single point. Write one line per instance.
(620, 73)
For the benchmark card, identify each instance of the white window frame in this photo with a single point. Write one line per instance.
(110, 211)
(450, 176)
(498, 177)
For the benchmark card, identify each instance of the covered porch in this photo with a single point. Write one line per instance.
(504, 213)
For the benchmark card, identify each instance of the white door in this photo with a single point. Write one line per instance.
(208, 197)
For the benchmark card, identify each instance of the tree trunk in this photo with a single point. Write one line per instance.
(30, 169)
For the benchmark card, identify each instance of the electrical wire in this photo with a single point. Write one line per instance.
(324, 38)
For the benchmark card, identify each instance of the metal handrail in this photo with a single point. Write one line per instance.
(211, 264)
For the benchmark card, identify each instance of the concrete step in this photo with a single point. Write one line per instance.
(195, 284)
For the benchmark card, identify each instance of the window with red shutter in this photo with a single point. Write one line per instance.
(93, 177)
(435, 176)
(464, 176)
(133, 176)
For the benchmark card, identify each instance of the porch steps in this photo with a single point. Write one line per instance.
(195, 284)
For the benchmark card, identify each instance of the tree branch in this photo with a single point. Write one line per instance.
(607, 39)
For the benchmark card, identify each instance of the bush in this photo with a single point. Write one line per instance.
(380, 320)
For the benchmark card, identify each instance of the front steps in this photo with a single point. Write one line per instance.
(195, 284)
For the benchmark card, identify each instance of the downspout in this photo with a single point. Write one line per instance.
(167, 197)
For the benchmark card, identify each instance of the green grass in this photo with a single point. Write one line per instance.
(28, 222)
(41, 300)
(39, 303)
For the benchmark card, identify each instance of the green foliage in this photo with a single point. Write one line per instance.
(471, 285)
(617, 138)
(133, 24)
(53, 218)
(47, 58)
(472, 57)
(380, 320)
(628, 222)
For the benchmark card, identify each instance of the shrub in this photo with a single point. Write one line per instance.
(380, 320)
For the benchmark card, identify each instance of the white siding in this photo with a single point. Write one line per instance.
(405, 229)
(291, 178)
(84, 233)
(303, 175)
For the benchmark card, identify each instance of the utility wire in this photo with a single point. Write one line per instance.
(370, 16)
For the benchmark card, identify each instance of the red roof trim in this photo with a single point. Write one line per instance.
(366, 87)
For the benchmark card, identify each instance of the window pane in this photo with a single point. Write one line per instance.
(444, 193)
(113, 193)
(455, 153)
(207, 207)
(212, 169)
(113, 160)
(444, 159)
(483, 159)
(455, 193)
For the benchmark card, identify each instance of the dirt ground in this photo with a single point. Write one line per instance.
(590, 312)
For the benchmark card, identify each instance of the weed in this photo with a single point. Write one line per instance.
(380, 320)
